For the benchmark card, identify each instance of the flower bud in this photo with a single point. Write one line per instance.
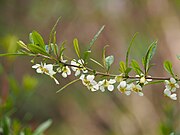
(142, 80)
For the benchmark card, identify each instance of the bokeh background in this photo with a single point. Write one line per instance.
(31, 98)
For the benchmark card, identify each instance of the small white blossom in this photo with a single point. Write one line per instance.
(65, 70)
(123, 87)
(78, 70)
(171, 84)
(46, 69)
(137, 89)
(167, 93)
(142, 79)
(89, 82)
(106, 84)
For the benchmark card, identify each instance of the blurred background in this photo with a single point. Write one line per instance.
(31, 99)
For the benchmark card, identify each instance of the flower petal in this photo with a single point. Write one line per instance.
(64, 74)
(39, 71)
(82, 77)
(172, 80)
(102, 88)
(167, 92)
(77, 72)
(128, 92)
(140, 94)
(112, 81)
(36, 66)
(111, 87)
(173, 96)
(123, 84)
(90, 77)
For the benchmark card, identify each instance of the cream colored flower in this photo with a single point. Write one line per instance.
(123, 87)
(65, 71)
(167, 93)
(105, 84)
(46, 69)
(171, 84)
(89, 82)
(137, 89)
(78, 67)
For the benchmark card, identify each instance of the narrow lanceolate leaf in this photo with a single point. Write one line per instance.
(150, 53)
(22, 45)
(41, 128)
(136, 67)
(37, 39)
(61, 49)
(52, 36)
(53, 30)
(37, 50)
(122, 67)
(87, 53)
(109, 61)
(168, 67)
(128, 51)
(104, 55)
(11, 54)
(65, 86)
(55, 47)
(96, 62)
(95, 37)
(76, 47)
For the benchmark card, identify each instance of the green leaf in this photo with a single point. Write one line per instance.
(104, 55)
(97, 62)
(109, 61)
(128, 51)
(76, 47)
(127, 71)
(87, 55)
(52, 35)
(95, 37)
(37, 39)
(122, 67)
(67, 85)
(136, 67)
(22, 45)
(36, 49)
(55, 47)
(150, 53)
(61, 50)
(41, 128)
(11, 54)
(53, 30)
(168, 67)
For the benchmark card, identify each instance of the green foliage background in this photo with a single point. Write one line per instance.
(31, 98)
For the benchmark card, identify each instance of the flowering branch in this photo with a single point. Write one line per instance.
(124, 82)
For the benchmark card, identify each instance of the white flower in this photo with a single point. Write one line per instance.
(171, 84)
(106, 84)
(89, 82)
(167, 93)
(123, 87)
(46, 69)
(137, 89)
(142, 79)
(65, 70)
(77, 64)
